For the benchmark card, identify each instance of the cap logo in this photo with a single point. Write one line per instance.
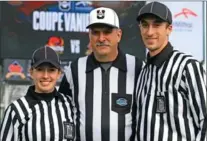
(100, 14)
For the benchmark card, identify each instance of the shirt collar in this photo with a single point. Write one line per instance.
(160, 58)
(119, 62)
(43, 96)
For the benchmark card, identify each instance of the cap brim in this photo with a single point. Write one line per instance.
(106, 24)
(46, 61)
(139, 18)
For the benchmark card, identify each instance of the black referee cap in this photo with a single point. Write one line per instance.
(158, 9)
(45, 55)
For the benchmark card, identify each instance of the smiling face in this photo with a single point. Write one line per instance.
(45, 77)
(104, 42)
(155, 33)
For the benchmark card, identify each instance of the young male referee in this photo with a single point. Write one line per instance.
(171, 90)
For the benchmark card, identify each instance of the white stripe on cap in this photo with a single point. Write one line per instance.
(45, 52)
(141, 9)
(151, 7)
(166, 13)
(34, 55)
(58, 57)
(56, 54)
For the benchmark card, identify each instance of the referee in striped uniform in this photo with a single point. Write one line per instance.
(103, 84)
(43, 114)
(171, 90)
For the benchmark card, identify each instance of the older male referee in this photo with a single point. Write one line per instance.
(103, 84)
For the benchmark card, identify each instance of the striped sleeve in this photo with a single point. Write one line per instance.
(9, 127)
(196, 87)
(138, 67)
(72, 106)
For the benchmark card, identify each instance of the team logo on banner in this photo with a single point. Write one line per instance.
(83, 6)
(15, 70)
(64, 5)
(56, 43)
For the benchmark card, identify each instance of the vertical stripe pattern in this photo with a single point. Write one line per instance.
(41, 122)
(180, 81)
(96, 93)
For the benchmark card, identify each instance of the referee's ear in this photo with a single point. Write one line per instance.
(119, 35)
(169, 29)
(60, 71)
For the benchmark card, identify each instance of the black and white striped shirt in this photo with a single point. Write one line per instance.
(38, 117)
(103, 98)
(171, 97)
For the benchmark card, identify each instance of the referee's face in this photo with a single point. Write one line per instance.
(104, 42)
(155, 33)
(45, 77)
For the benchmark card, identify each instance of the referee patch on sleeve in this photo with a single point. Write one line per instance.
(69, 130)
